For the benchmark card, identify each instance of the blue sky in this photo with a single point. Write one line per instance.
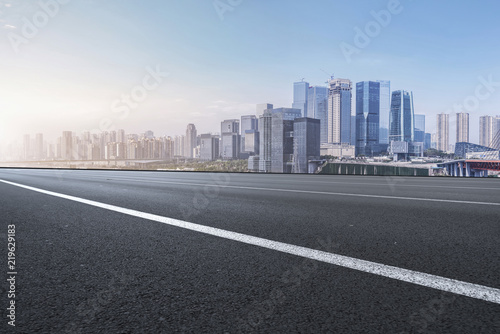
(67, 76)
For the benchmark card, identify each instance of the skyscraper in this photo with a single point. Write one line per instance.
(485, 130)
(67, 145)
(190, 141)
(367, 118)
(39, 152)
(317, 106)
(276, 139)
(300, 95)
(419, 135)
(265, 127)
(306, 143)
(462, 127)
(230, 139)
(209, 147)
(281, 143)
(339, 111)
(443, 132)
(385, 110)
(401, 118)
(248, 123)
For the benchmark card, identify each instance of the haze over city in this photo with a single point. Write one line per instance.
(222, 61)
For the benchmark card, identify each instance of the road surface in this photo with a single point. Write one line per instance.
(176, 252)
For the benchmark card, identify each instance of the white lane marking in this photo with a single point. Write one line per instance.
(427, 280)
(296, 191)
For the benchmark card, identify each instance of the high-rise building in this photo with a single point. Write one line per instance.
(248, 123)
(443, 132)
(265, 139)
(190, 141)
(39, 152)
(67, 145)
(339, 111)
(179, 146)
(367, 118)
(462, 127)
(300, 95)
(209, 147)
(251, 142)
(306, 143)
(281, 143)
(230, 139)
(353, 131)
(275, 148)
(263, 107)
(385, 110)
(120, 136)
(420, 122)
(401, 118)
(419, 132)
(317, 107)
(427, 141)
(485, 130)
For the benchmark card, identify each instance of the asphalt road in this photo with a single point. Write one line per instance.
(82, 268)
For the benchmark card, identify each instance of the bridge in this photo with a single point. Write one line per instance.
(470, 168)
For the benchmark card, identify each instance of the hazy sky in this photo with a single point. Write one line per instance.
(70, 72)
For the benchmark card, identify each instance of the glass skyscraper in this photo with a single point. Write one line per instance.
(385, 110)
(300, 92)
(419, 128)
(367, 118)
(402, 117)
(317, 106)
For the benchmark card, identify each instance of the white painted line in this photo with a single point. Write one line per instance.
(294, 191)
(427, 280)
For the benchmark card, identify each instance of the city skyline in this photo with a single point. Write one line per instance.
(74, 77)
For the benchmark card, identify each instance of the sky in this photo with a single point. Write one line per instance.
(68, 66)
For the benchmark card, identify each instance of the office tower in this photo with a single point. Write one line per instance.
(281, 143)
(420, 122)
(462, 127)
(317, 107)
(276, 151)
(248, 123)
(209, 147)
(485, 130)
(367, 118)
(179, 146)
(353, 130)
(67, 145)
(443, 132)
(265, 139)
(230, 139)
(251, 142)
(401, 118)
(190, 141)
(263, 107)
(39, 153)
(427, 141)
(419, 132)
(385, 110)
(300, 95)
(120, 136)
(339, 111)
(306, 143)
